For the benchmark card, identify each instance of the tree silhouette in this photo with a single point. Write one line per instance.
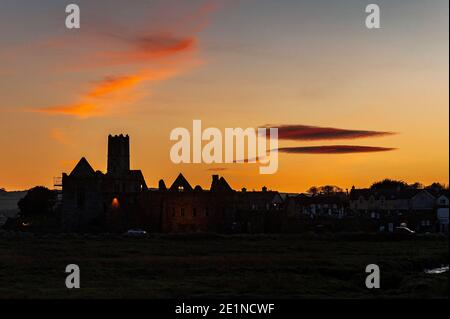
(330, 189)
(313, 190)
(416, 185)
(324, 190)
(437, 187)
(38, 201)
(389, 184)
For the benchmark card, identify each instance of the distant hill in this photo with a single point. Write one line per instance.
(8, 204)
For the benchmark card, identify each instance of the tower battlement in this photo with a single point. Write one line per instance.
(118, 154)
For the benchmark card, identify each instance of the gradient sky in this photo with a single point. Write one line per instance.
(145, 67)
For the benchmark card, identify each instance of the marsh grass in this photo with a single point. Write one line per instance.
(218, 266)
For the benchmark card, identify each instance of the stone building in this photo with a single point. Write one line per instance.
(120, 199)
(94, 200)
(182, 208)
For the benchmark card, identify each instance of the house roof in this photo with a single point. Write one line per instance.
(438, 192)
(198, 188)
(443, 194)
(338, 198)
(137, 175)
(388, 194)
(266, 196)
(180, 181)
(83, 169)
(287, 196)
(220, 185)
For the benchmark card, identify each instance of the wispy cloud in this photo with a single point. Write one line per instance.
(314, 133)
(110, 93)
(321, 150)
(156, 56)
(81, 109)
(334, 149)
(112, 84)
(148, 48)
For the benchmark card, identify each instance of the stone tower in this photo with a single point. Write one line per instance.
(118, 154)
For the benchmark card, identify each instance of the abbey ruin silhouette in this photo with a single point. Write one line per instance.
(120, 199)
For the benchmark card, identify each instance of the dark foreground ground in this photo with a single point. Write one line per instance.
(212, 266)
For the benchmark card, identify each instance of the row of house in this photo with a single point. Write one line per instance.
(423, 210)
(377, 209)
(120, 199)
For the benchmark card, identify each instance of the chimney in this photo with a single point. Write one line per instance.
(162, 185)
(264, 189)
(215, 178)
(244, 189)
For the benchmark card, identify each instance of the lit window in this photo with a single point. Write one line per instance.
(115, 203)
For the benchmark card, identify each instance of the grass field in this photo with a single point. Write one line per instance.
(212, 266)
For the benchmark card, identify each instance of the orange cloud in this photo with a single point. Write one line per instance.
(149, 49)
(158, 56)
(312, 133)
(112, 84)
(334, 149)
(78, 109)
(111, 92)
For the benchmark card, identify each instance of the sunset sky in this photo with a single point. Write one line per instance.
(353, 105)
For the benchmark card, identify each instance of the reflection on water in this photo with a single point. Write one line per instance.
(437, 270)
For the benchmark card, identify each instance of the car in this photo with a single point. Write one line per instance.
(136, 233)
(404, 230)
